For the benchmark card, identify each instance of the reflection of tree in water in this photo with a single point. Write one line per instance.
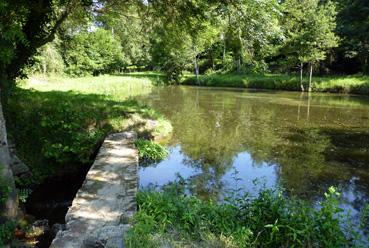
(311, 144)
(207, 184)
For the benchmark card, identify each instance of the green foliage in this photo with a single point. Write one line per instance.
(171, 51)
(4, 189)
(6, 232)
(25, 26)
(6, 226)
(271, 219)
(352, 27)
(93, 53)
(48, 60)
(309, 30)
(150, 151)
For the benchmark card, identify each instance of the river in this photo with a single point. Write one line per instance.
(227, 140)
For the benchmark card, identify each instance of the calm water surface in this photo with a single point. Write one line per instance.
(226, 139)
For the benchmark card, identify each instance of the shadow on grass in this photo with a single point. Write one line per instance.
(59, 131)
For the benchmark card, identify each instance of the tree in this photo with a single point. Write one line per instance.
(309, 32)
(134, 30)
(250, 29)
(171, 50)
(353, 28)
(24, 27)
(93, 52)
(48, 58)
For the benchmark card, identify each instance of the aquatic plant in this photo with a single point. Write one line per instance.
(150, 151)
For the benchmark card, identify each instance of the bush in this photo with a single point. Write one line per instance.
(271, 219)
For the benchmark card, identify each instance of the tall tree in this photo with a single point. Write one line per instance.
(251, 27)
(309, 32)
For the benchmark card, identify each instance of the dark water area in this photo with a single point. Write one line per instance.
(226, 139)
(51, 200)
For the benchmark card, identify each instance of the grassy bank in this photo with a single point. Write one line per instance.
(170, 218)
(58, 123)
(333, 84)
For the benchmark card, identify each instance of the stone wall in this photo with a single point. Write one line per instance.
(106, 201)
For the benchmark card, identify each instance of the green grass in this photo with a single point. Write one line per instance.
(59, 123)
(333, 84)
(170, 218)
(115, 87)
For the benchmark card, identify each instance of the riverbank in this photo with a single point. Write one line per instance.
(58, 125)
(331, 84)
(61, 123)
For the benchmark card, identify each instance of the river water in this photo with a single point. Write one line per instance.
(231, 139)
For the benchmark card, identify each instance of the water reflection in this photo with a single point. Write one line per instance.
(304, 143)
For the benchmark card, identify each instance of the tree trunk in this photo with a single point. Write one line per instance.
(239, 54)
(212, 59)
(365, 66)
(239, 63)
(197, 70)
(6, 175)
(301, 72)
(310, 77)
(224, 53)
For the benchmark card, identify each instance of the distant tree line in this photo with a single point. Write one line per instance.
(330, 37)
